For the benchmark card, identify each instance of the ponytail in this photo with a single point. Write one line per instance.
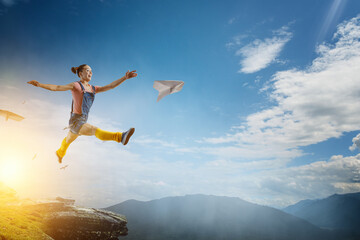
(77, 70)
(74, 69)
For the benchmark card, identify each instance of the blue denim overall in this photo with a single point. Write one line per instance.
(77, 120)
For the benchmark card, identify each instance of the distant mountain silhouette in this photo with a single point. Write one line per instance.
(340, 212)
(211, 217)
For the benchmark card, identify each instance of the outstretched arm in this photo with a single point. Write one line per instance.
(52, 87)
(116, 83)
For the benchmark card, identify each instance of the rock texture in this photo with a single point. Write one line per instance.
(63, 220)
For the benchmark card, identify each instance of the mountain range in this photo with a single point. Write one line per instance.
(213, 217)
(337, 212)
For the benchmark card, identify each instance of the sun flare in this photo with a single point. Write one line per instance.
(10, 171)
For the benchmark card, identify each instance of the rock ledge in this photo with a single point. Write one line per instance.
(63, 220)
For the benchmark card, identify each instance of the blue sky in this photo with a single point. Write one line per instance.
(267, 113)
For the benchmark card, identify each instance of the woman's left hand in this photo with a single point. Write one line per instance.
(131, 74)
(35, 83)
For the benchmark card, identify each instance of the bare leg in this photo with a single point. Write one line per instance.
(71, 137)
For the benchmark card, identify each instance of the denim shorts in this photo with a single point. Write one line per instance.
(76, 121)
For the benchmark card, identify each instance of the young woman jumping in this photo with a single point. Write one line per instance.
(83, 95)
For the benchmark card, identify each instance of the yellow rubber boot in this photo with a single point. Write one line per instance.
(108, 136)
(60, 153)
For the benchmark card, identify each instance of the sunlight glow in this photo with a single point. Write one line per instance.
(10, 171)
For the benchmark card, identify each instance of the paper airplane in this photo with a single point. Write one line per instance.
(10, 115)
(167, 87)
(64, 167)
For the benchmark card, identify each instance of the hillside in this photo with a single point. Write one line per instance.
(212, 217)
(17, 222)
(55, 219)
(341, 212)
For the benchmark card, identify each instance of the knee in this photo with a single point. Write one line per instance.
(88, 130)
(71, 137)
(94, 129)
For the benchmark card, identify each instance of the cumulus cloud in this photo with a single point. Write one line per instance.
(316, 180)
(261, 53)
(310, 105)
(269, 186)
(356, 143)
(281, 186)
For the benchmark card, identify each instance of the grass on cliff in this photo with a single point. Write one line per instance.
(16, 221)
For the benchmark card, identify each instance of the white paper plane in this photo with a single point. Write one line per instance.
(10, 115)
(167, 87)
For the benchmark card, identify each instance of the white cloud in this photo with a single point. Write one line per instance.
(356, 143)
(261, 53)
(316, 180)
(279, 186)
(311, 105)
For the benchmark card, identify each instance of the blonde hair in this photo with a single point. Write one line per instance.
(77, 70)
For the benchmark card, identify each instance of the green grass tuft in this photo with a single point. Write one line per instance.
(17, 221)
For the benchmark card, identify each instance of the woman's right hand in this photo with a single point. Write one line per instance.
(35, 83)
(131, 74)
